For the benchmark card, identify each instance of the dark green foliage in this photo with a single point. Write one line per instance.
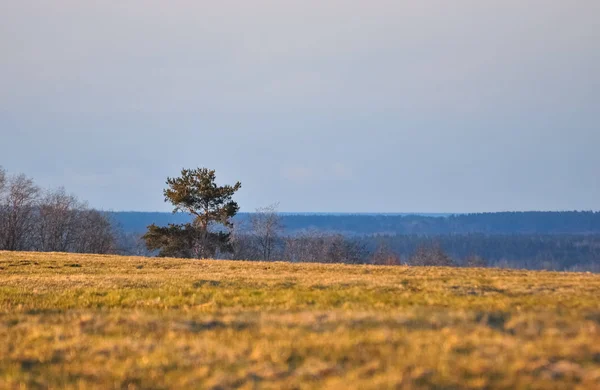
(196, 193)
(171, 241)
(185, 241)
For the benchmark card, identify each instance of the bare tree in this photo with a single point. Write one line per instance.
(315, 246)
(340, 249)
(3, 207)
(65, 224)
(18, 205)
(383, 255)
(95, 233)
(431, 255)
(242, 242)
(303, 247)
(50, 221)
(58, 221)
(266, 228)
(2, 179)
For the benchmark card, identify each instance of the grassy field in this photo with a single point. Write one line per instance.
(72, 321)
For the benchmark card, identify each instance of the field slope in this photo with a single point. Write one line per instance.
(72, 321)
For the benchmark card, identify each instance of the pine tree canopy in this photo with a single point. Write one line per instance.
(196, 193)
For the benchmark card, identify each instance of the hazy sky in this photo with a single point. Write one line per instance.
(337, 105)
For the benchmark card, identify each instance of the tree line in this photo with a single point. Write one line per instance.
(262, 236)
(531, 222)
(49, 220)
(546, 222)
(32, 218)
(559, 252)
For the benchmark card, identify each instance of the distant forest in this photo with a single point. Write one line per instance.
(531, 240)
(52, 220)
(568, 222)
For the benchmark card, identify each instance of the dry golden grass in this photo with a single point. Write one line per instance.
(73, 321)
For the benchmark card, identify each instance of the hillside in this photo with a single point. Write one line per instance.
(568, 222)
(85, 321)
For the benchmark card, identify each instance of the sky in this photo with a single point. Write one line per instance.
(324, 106)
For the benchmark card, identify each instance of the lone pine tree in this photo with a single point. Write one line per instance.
(211, 207)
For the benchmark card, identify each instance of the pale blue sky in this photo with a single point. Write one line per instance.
(338, 105)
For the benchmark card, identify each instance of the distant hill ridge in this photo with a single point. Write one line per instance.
(542, 222)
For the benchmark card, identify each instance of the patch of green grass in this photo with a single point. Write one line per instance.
(75, 321)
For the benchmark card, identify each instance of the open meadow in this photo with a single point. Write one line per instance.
(86, 321)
